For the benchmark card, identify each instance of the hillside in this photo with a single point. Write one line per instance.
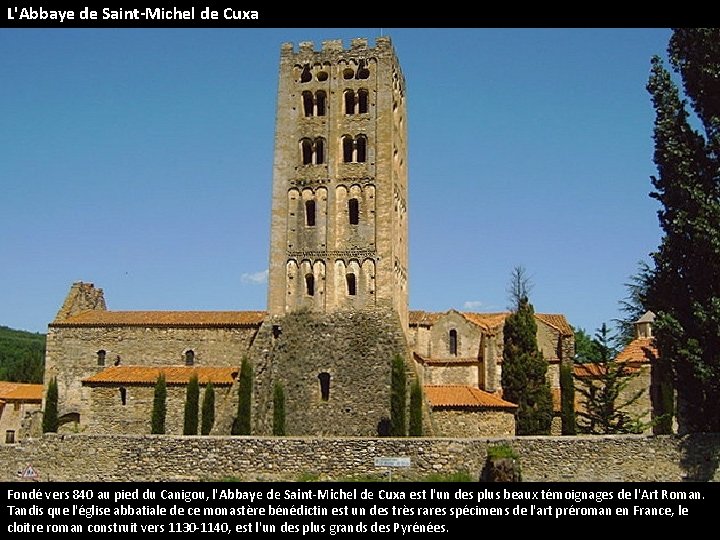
(22, 356)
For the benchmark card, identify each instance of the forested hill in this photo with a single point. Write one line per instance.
(22, 356)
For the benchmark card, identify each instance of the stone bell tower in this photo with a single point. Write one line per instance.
(339, 237)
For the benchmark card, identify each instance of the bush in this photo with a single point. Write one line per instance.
(241, 424)
(159, 406)
(208, 410)
(50, 416)
(191, 406)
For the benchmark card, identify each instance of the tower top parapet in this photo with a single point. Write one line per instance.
(334, 46)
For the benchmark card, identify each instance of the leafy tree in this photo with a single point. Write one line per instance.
(208, 409)
(567, 400)
(159, 410)
(523, 373)
(279, 410)
(684, 290)
(415, 428)
(192, 400)
(398, 398)
(241, 424)
(585, 348)
(50, 416)
(605, 400)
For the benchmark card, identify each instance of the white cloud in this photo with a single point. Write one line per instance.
(473, 304)
(255, 278)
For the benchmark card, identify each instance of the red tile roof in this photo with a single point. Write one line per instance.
(174, 375)
(163, 318)
(446, 361)
(424, 317)
(12, 391)
(457, 396)
(487, 321)
(557, 321)
(490, 321)
(641, 350)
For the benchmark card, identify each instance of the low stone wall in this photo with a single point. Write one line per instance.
(80, 457)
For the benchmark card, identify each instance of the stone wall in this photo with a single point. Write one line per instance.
(354, 348)
(463, 374)
(72, 352)
(469, 423)
(107, 414)
(17, 417)
(80, 457)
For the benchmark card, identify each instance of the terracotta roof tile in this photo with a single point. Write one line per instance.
(458, 396)
(490, 321)
(174, 375)
(487, 321)
(163, 318)
(12, 391)
(598, 370)
(557, 321)
(640, 350)
(424, 317)
(446, 361)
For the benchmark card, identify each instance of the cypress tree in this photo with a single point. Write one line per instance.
(523, 373)
(50, 416)
(192, 399)
(415, 429)
(159, 406)
(398, 398)
(241, 424)
(684, 290)
(278, 410)
(208, 409)
(567, 396)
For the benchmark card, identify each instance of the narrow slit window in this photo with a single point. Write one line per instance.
(310, 213)
(101, 357)
(319, 150)
(310, 284)
(362, 101)
(10, 436)
(354, 211)
(349, 102)
(308, 105)
(324, 379)
(123, 395)
(453, 342)
(320, 101)
(361, 148)
(189, 357)
(351, 284)
(347, 143)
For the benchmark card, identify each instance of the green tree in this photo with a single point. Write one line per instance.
(241, 424)
(208, 409)
(50, 415)
(605, 399)
(567, 400)
(279, 410)
(585, 348)
(684, 290)
(523, 373)
(634, 305)
(159, 410)
(192, 401)
(22, 356)
(398, 398)
(415, 429)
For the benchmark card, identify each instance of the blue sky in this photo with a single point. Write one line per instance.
(141, 160)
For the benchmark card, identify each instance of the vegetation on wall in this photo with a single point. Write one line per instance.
(208, 410)
(241, 423)
(415, 428)
(398, 398)
(50, 414)
(278, 409)
(192, 402)
(159, 410)
(22, 356)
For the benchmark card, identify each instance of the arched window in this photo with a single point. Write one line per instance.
(348, 73)
(101, 357)
(308, 105)
(123, 395)
(324, 379)
(310, 213)
(306, 150)
(309, 284)
(320, 101)
(361, 149)
(351, 284)
(453, 342)
(354, 211)
(362, 101)
(306, 76)
(189, 357)
(363, 72)
(319, 150)
(348, 145)
(349, 102)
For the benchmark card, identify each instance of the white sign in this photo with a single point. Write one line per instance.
(29, 472)
(392, 461)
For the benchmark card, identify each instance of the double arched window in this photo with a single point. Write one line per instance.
(354, 149)
(312, 151)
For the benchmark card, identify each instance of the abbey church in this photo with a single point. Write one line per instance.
(337, 311)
